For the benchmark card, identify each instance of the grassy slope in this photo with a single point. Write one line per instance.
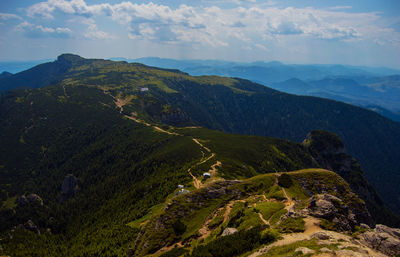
(246, 200)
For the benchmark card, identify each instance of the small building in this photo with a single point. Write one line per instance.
(182, 191)
(180, 186)
(206, 175)
(144, 89)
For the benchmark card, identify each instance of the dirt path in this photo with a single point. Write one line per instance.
(266, 222)
(289, 203)
(65, 92)
(206, 159)
(213, 169)
(311, 227)
(121, 102)
(200, 144)
(197, 183)
(167, 248)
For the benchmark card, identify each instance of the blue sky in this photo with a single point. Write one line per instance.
(364, 32)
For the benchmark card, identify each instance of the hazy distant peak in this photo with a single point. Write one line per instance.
(71, 58)
(5, 74)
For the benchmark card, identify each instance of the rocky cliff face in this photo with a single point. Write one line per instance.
(329, 152)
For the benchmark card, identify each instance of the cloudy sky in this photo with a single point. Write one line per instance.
(363, 32)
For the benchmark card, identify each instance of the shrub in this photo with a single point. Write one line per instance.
(285, 181)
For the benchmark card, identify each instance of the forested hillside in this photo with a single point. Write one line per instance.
(235, 106)
(101, 154)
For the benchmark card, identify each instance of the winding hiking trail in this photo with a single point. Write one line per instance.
(289, 203)
(121, 102)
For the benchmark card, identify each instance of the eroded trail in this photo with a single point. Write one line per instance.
(196, 183)
(289, 203)
(121, 102)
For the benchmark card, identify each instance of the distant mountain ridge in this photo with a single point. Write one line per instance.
(368, 86)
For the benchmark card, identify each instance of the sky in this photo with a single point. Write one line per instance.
(363, 32)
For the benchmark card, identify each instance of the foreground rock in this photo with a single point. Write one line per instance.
(383, 239)
(229, 231)
(345, 217)
(29, 199)
(69, 187)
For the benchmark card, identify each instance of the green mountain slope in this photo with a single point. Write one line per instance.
(123, 168)
(232, 105)
(109, 125)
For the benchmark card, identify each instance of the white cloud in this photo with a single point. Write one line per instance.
(9, 16)
(38, 31)
(215, 26)
(341, 7)
(92, 31)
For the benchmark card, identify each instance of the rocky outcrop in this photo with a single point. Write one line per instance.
(229, 231)
(329, 152)
(34, 198)
(383, 239)
(321, 235)
(69, 187)
(335, 210)
(181, 208)
(304, 250)
(29, 199)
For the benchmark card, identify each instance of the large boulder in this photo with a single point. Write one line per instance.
(69, 187)
(333, 209)
(29, 199)
(304, 250)
(383, 239)
(34, 198)
(229, 231)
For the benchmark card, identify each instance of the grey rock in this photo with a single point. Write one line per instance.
(69, 187)
(325, 250)
(29, 225)
(229, 231)
(321, 235)
(304, 250)
(349, 253)
(382, 241)
(395, 232)
(365, 226)
(34, 198)
(22, 200)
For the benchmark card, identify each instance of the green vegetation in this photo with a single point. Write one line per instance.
(127, 172)
(235, 244)
(326, 224)
(292, 225)
(267, 209)
(285, 180)
(276, 192)
(176, 252)
(289, 250)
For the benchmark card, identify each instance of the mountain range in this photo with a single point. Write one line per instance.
(108, 158)
(376, 89)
